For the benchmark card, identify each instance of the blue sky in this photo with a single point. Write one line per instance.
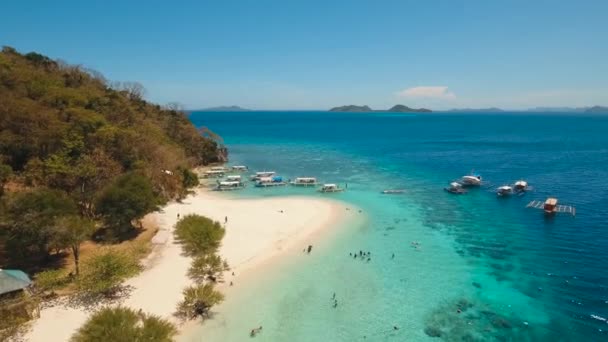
(318, 54)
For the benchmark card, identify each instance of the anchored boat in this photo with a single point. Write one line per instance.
(393, 191)
(521, 186)
(304, 181)
(264, 182)
(262, 174)
(550, 207)
(330, 188)
(229, 185)
(471, 180)
(239, 168)
(455, 188)
(504, 190)
(213, 173)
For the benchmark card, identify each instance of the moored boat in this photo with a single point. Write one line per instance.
(213, 174)
(239, 168)
(504, 190)
(550, 206)
(264, 182)
(521, 186)
(393, 191)
(229, 185)
(233, 178)
(304, 181)
(471, 180)
(455, 188)
(262, 174)
(330, 188)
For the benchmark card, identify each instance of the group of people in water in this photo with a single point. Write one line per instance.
(362, 255)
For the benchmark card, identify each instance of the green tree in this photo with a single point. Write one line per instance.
(32, 216)
(5, 174)
(198, 301)
(122, 324)
(189, 179)
(207, 266)
(129, 198)
(103, 273)
(72, 231)
(198, 234)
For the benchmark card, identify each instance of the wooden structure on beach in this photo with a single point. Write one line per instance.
(550, 207)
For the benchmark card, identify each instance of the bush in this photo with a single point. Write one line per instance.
(199, 235)
(51, 280)
(103, 273)
(198, 301)
(123, 324)
(208, 266)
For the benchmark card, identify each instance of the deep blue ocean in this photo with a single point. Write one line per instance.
(482, 268)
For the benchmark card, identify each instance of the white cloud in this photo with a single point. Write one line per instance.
(433, 92)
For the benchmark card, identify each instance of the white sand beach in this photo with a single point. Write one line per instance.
(257, 231)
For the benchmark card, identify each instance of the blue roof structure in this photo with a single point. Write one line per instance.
(13, 280)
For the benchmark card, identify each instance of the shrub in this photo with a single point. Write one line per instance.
(51, 280)
(199, 235)
(123, 324)
(103, 273)
(208, 266)
(198, 301)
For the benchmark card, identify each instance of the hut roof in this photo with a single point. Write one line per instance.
(13, 280)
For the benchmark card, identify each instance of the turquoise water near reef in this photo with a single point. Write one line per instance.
(483, 269)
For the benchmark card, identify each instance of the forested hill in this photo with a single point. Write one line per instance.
(67, 128)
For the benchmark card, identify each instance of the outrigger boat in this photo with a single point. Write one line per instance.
(455, 188)
(262, 174)
(239, 168)
(229, 185)
(304, 181)
(550, 207)
(521, 186)
(213, 173)
(504, 190)
(233, 178)
(473, 179)
(264, 182)
(330, 188)
(393, 191)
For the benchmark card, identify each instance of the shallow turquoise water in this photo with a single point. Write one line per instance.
(486, 268)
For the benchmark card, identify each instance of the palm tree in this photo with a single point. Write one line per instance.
(122, 324)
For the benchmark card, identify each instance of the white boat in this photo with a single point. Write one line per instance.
(304, 181)
(471, 180)
(213, 174)
(239, 168)
(330, 188)
(262, 174)
(393, 191)
(504, 190)
(264, 182)
(218, 168)
(521, 186)
(229, 185)
(455, 188)
(233, 178)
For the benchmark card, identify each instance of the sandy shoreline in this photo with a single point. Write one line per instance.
(257, 231)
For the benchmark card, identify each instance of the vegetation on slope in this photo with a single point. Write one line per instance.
(84, 159)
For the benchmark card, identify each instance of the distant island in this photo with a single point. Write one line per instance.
(367, 109)
(224, 109)
(475, 110)
(597, 109)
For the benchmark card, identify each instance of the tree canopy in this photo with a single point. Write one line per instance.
(199, 235)
(122, 324)
(66, 127)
